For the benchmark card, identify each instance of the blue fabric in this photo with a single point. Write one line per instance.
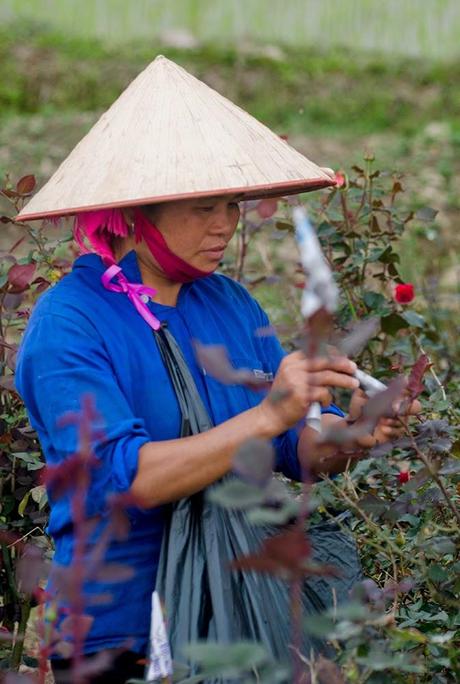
(82, 339)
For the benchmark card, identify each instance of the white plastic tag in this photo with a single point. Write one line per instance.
(160, 661)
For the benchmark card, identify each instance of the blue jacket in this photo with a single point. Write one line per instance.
(83, 339)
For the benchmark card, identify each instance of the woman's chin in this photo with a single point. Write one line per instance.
(210, 263)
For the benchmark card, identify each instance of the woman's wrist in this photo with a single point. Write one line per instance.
(267, 422)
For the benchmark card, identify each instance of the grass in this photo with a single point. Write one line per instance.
(334, 92)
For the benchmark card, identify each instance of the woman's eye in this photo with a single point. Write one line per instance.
(206, 208)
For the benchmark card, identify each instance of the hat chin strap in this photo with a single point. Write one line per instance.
(173, 266)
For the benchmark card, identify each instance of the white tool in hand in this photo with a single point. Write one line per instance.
(321, 292)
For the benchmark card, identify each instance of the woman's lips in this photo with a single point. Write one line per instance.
(215, 253)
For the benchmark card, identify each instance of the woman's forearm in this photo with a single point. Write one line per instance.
(176, 468)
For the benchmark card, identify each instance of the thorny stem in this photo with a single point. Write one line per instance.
(367, 520)
(296, 622)
(434, 474)
(435, 376)
(78, 561)
(350, 303)
(43, 653)
(18, 647)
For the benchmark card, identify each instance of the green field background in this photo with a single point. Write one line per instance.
(429, 28)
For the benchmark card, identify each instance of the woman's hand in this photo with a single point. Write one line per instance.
(300, 381)
(387, 429)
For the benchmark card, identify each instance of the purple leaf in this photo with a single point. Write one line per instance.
(114, 572)
(382, 404)
(415, 385)
(13, 300)
(254, 462)
(7, 383)
(25, 185)
(267, 331)
(14, 678)
(20, 276)
(214, 359)
(327, 672)
(360, 334)
(76, 623)
(32, 568)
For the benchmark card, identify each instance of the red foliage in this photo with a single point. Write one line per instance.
(284, 554)
(287, 555)
(20, 276)
(25, 185)
(415, 385)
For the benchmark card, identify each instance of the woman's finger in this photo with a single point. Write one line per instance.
(331, 378)
(339, 364)
(392, 422)
(415, 408)
(321, 395)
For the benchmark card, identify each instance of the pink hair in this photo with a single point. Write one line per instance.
(99, 227)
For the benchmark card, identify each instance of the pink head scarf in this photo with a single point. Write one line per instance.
(100, 225)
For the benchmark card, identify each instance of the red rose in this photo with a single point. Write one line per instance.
(340, 179)
(403, 477)
(404, 293)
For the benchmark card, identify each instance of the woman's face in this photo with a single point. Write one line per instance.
(196, 230)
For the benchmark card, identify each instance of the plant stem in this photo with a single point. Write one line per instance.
(350, 303)
(18, 647)
(434, 474)
(296, 624)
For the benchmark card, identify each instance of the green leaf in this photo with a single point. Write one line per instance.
(374, 300)
(436, 573)
(442, 638)
(377, 252)
(31, 458)
(439, 546)
(406, 636)
(426, 214)
(284, 225)
(238, 657)
(392, 323)
(40, 496)
(414, 319)
(378, 662)
(23, 503)
(319, 625)
(373, 504)
(274, 516)
(236, 494)
(352, 611)
(324, 626)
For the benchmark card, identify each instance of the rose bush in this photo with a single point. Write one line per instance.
(402, 623)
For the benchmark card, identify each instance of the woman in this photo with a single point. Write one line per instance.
(92, 333)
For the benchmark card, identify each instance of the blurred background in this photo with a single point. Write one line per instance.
(340, 78)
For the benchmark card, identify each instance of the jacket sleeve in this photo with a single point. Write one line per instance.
(61, 359)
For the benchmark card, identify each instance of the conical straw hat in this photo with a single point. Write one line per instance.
(170, 136)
